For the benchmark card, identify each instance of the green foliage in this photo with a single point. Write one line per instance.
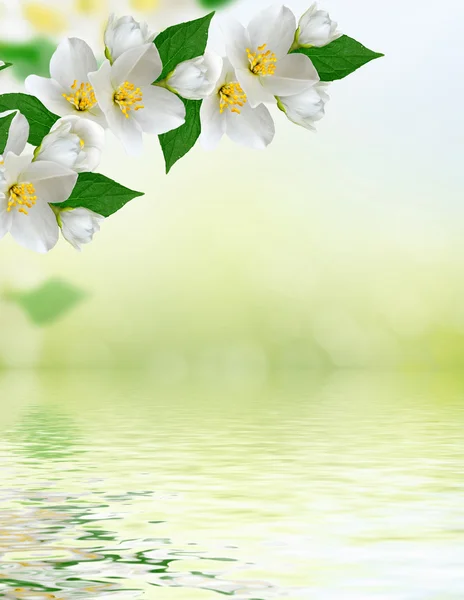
(5, 66)
(214, 3)
(339, 58)
(175, 144)
(5, 123)
(177, 44)
(100, 194)
(49, 302)
(28, 57)
(40, 118)
(182, 42)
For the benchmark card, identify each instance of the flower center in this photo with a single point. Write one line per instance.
(22, 197)
(231, 96)
(83, 97)
(262, 62)
(128, 98)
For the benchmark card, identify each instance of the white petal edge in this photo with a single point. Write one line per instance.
(253, 127)
(140, 66)
(53, 183)
(163, 111)
(213, 124)
(72, 61)
(38, 231)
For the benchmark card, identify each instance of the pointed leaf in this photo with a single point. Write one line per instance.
(176, 143)
(100, 194)
(40, 118)
(5, 66)
(182, 42)
(339, 58)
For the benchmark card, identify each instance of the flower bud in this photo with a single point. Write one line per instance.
(196, 79)
(74, 143)
(78, 225)
(316, 28)
(306, 108)
(124, 34)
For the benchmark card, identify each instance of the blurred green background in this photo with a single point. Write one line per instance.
(340, 249)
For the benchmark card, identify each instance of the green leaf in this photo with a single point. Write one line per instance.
(28, 58)
(5, 124)
(5, 66)
(49, 302)
(214, 3)
(100, 194)
(182, 42)
(40, 118)
(176, 143)
(339, 58)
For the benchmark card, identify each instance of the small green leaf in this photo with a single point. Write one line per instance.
(49, 302)
(214, 3)
(339, 58)
(28, 58)
(182, 42)
(100, 194)
(176, 143)
(5, 66)
(5, 124)
(40, 118)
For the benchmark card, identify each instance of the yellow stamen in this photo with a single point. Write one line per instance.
(22, 197)
(231, 96)
(83, 97)
(261, 62)
(128, 98)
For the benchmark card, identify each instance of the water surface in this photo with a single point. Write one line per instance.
(341, 487)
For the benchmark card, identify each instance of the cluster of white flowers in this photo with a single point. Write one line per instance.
(121, 96)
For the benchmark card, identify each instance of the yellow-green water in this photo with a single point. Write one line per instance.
(342, 486)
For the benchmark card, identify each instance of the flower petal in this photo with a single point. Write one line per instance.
(253, 87)
(50, 93)
(253, 127)
(128, 131)
(73, 60)
(14, 165)
(294, 74)
(140, 66)
(213, 123)
(162, 112)
(18, 134)
(37, 231)
(237, 41)
(5, 216)
(52, 182)
(275, 27)
(103, 88)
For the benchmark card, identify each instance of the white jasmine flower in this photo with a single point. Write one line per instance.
(306, 108)
(25, 192)
(196, 79)
(17, 134)
(123, 34)
(74, 143)
(69, 91)
(316, 28)
(227, 111)
(260, 57)
(131, 103)
(79, 225)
